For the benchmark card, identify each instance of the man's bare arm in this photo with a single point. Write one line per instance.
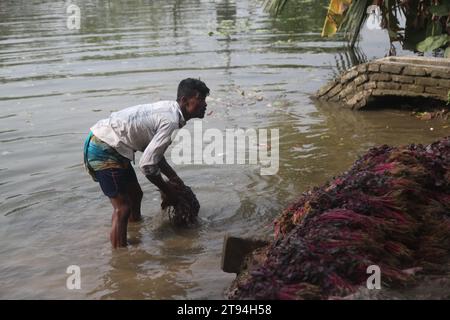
(158, 181)
(166, 188)
(167, 170)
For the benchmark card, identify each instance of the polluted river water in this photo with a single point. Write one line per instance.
(57, 82)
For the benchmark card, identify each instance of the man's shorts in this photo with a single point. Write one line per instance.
(106, 166)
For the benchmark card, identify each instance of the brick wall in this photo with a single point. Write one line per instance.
(391, 76)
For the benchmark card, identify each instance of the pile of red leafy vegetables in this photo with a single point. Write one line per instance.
(185, 212)
(391, 209)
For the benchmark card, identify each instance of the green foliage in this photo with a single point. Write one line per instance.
(447, 52)
(433, 42)
(441, 10)
(275, 6)
(354, 19)
(427, 21)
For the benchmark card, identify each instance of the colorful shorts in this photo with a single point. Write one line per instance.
(113, 171)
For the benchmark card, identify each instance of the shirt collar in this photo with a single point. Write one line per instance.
(181, 120)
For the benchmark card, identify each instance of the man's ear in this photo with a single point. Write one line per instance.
(183, 101)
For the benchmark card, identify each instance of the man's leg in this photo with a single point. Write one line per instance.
(135, 194)
(121, 214)
(113, 173)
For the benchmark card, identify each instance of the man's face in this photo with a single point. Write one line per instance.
(196, 106)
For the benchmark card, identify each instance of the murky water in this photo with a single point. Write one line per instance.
(56, 83)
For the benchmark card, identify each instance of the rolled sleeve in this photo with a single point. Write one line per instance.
(155, 150)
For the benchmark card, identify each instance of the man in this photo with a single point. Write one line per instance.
(112, 143)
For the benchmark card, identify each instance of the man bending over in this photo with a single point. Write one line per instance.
(111, 145)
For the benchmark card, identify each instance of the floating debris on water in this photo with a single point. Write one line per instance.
(428, 115)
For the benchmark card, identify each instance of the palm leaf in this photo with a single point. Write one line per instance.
(353, 20)
(335, 16)
(349, 15)
(274, 6)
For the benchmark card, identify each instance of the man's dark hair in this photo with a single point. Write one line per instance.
(189, 88)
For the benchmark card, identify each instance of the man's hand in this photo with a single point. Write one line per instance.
(169, 199)
(167, 170)
(167, 188)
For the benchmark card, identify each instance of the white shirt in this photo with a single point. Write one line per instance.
(147, 128)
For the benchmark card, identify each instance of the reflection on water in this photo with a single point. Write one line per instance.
(56, 83)
(349, 58)
(157, 271)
